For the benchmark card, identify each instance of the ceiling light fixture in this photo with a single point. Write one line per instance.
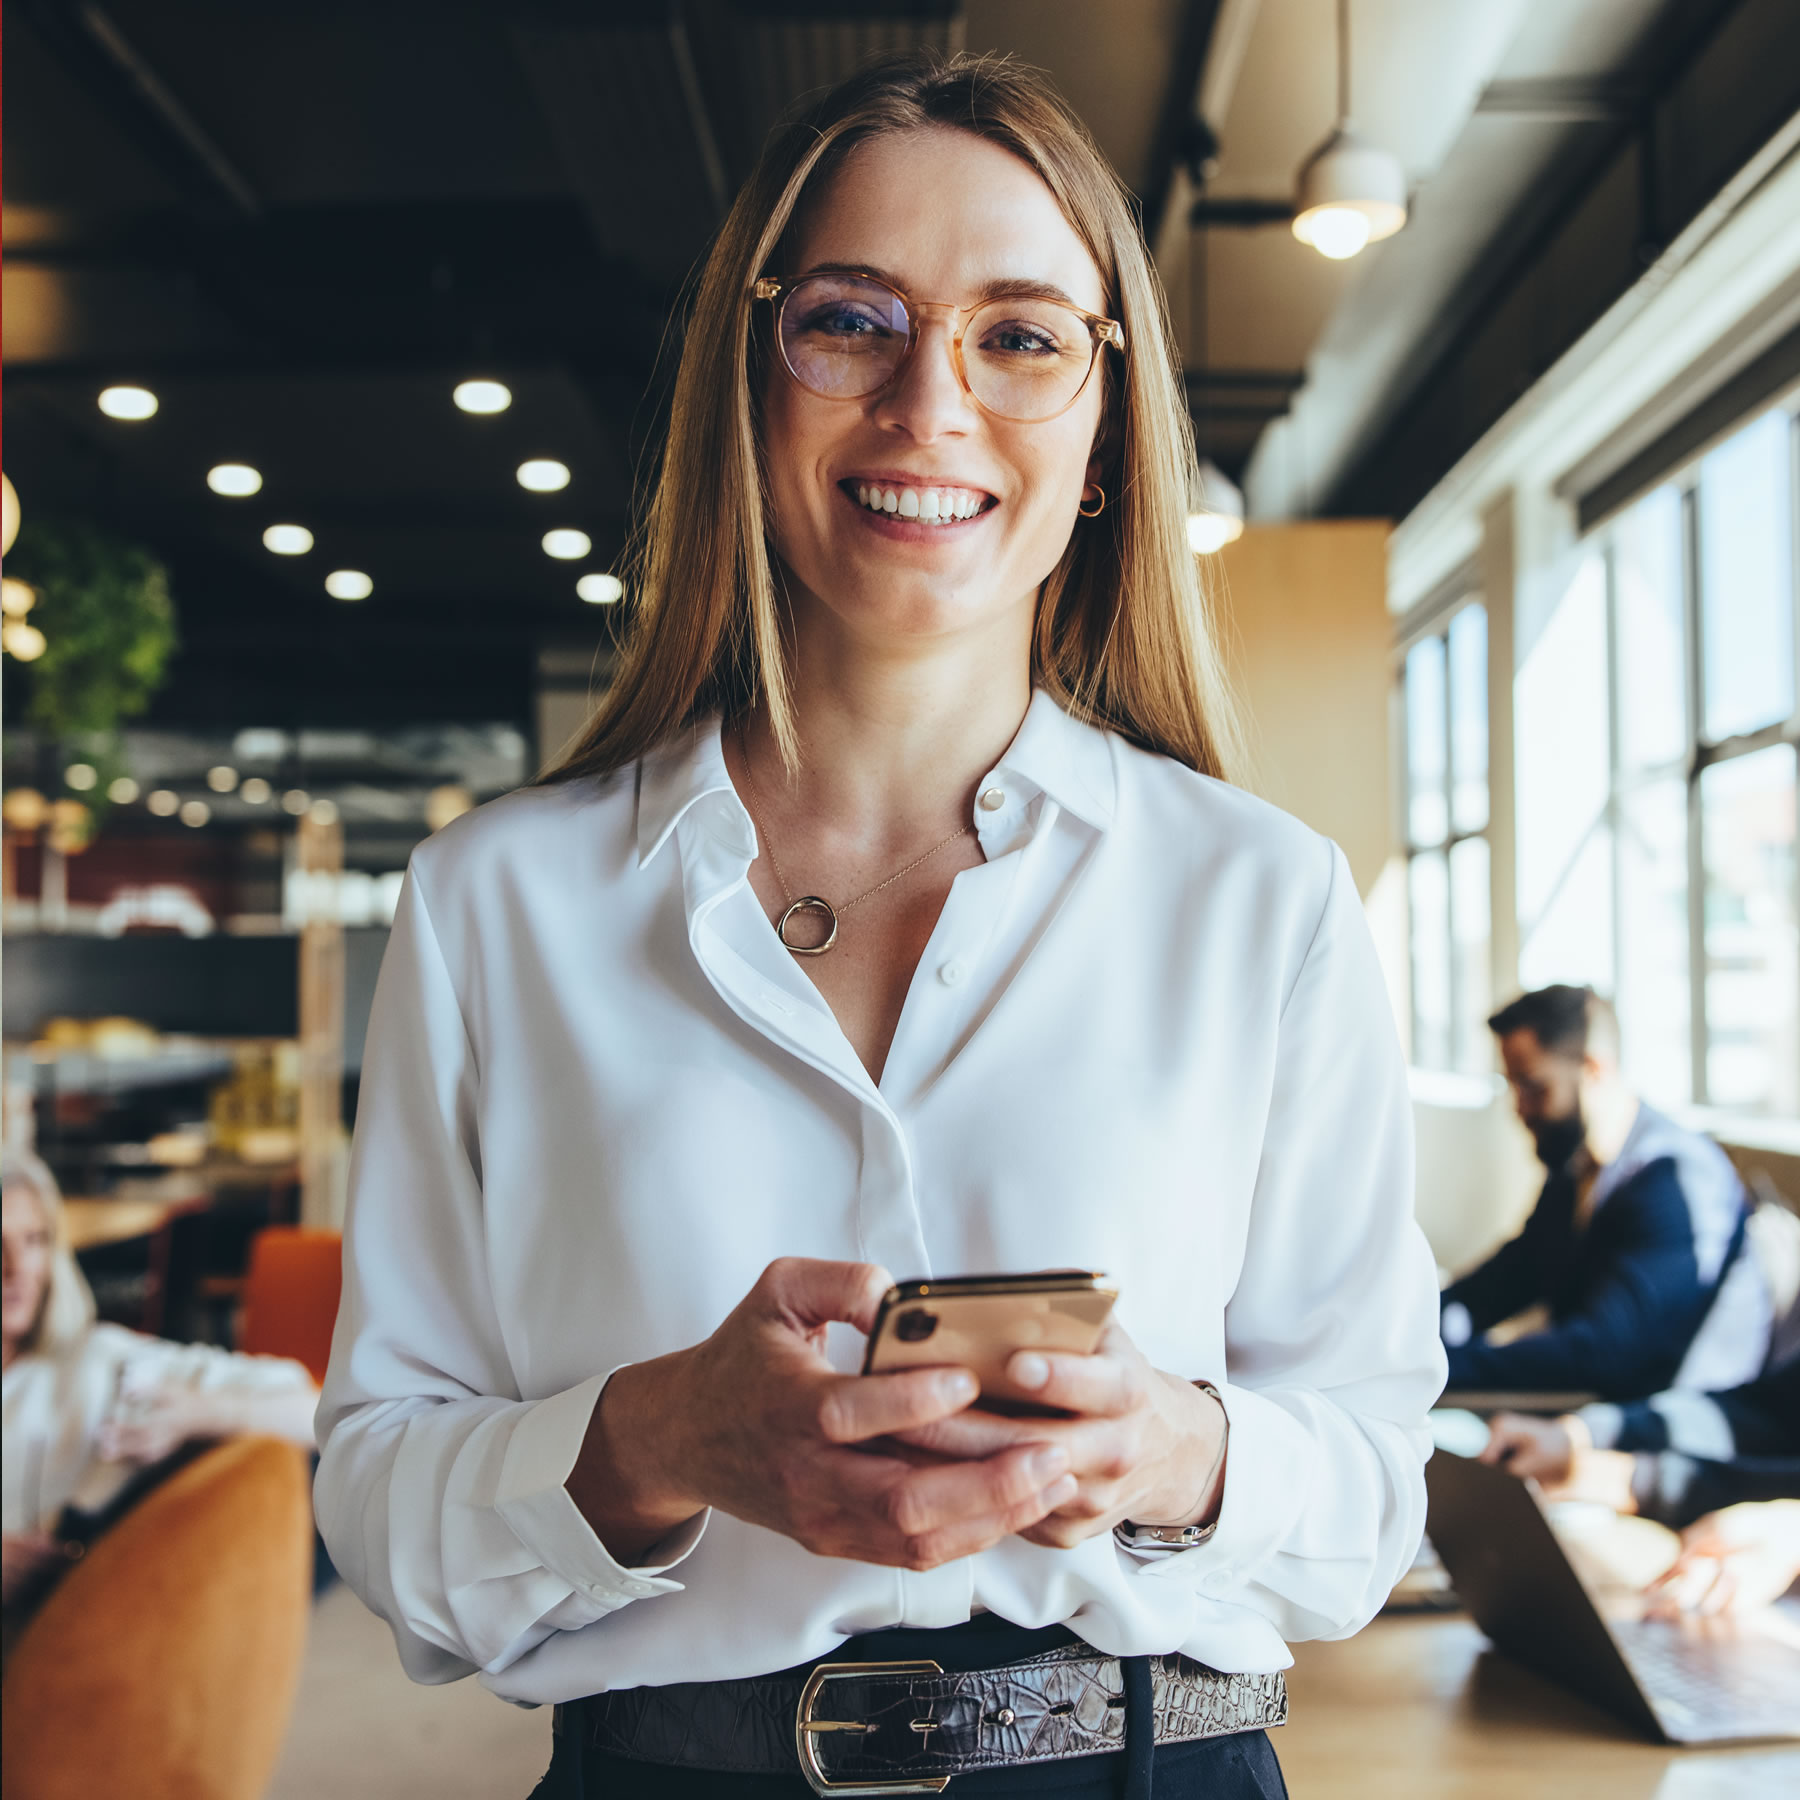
(482, 396)
(235, 481)
(80, 776)
(288, 540)
(1215, 509)
(600, 590)
(296, 801)
(348, 584)
(221, 778)
(566, 544)
(195, 813)
(127, 403)
(164, 802)
(543, 475)
(1351, 192)
(21, 641)
(255, 791)
(17, 597)
(122, 790)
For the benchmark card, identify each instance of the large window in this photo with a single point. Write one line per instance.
(1444, 688)
(1657, 731)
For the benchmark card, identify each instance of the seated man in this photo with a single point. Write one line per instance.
(1638, 1226)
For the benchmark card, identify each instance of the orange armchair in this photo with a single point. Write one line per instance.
(291, 1295)
(164, 1665)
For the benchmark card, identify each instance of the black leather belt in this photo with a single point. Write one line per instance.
(908, 1727)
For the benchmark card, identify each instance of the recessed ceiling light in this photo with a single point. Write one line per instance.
(296, 801)
(348, 584)
(80, 776)
(567, 544)
(222, 778)
(323, 812)
(600, 590)
(127, 402)
(233, 480)
(164, 802)
(288, 540)
(195, 812)
(256, 791)
(543, 475)
(482, 396)
(122, 790)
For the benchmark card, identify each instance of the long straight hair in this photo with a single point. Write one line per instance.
(65, 1315)
(1122, 636)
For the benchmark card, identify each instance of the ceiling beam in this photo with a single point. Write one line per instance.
(1169, 144)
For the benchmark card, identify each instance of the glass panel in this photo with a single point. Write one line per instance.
(1468, 719)
(1429, 895)
(1426, 823)
(1474, 1051)
(1647, 586)
(1746, 580)
(1752, 941)
(1653, 941)
(1563, 754)
(1573, 940)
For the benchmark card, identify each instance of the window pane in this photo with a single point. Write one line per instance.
(1468, 719)
(1752, 941)
(1647, 584)
(1428, 891)
(1563, 755)
(1573, 940)
(1474, 989)
(1653, 941)
(1746, 580)
(1425, 741)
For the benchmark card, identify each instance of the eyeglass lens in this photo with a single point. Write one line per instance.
(844, 337)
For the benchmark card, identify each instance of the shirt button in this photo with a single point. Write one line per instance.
(992, 799)
(950, 973)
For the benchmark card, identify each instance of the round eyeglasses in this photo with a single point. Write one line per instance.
(1024, 357)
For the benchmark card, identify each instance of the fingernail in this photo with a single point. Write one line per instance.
(1029, 1370)
(1048, 1464)
(1059, 1492)
(958, 1389)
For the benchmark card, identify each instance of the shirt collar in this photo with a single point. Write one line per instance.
(1062, 757)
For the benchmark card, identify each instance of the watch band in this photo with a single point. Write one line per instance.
(1167, 1540)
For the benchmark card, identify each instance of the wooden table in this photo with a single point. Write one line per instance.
(1422, 1706)
(92, 1223)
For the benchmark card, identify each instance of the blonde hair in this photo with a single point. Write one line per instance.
(1122, 636)
(67, 1312)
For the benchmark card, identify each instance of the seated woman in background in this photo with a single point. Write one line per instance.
(86, 1404)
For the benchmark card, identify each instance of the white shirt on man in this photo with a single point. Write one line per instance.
(1148, 1035)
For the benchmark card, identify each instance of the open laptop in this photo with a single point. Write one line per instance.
(1687, 1681)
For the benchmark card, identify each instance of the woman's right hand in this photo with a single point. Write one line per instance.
(754, 1421)
(25, 1556)
(1541, 1450)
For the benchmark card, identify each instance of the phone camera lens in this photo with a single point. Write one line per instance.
(916, 1326)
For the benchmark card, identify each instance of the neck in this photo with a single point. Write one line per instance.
(1609, 1111)
(894, 736)
(9, 1350)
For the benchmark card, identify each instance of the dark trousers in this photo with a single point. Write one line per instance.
(1239, 1767)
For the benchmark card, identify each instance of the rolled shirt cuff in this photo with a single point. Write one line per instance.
(1604, 1422)
(538, 1507)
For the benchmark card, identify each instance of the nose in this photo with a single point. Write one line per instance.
(928, 400)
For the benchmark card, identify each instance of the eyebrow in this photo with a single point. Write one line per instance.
(1000, 288)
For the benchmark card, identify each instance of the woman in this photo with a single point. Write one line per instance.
(84, 1404)
(892, 916)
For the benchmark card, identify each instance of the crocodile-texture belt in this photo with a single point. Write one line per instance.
(908, 1727)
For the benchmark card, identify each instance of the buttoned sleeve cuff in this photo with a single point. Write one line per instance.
(1268, 1470)
(540, 1511)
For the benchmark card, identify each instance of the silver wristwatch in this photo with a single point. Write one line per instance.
(1167, 1540)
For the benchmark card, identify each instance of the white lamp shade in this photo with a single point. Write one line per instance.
(1215, 509)
(1351, 193)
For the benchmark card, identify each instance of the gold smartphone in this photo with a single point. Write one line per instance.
(979, 1322)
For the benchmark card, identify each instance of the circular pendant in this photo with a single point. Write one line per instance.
(805, 904)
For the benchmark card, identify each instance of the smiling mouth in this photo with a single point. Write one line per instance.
(919, 505)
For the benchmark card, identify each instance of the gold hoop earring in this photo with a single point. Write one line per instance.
(1099, 506)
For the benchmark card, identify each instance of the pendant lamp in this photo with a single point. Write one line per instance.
(1351, 191)
(1215, 509)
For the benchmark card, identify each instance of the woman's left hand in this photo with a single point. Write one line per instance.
(1141, 1443)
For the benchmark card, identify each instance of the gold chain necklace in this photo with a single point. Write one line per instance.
(814, 903)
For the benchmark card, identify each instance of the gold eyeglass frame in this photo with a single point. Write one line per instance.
(1103, 331)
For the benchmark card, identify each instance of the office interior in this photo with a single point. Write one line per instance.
(337, 342)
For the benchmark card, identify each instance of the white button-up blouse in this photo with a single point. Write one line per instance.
(1149, 1035)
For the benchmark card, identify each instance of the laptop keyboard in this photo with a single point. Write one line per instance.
(1711, 1686)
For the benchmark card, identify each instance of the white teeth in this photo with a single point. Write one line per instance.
(931, 506)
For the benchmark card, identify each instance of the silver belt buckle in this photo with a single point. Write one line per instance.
(807, 1728)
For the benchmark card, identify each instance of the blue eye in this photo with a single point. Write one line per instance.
(1020, 340)
(842, 321)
